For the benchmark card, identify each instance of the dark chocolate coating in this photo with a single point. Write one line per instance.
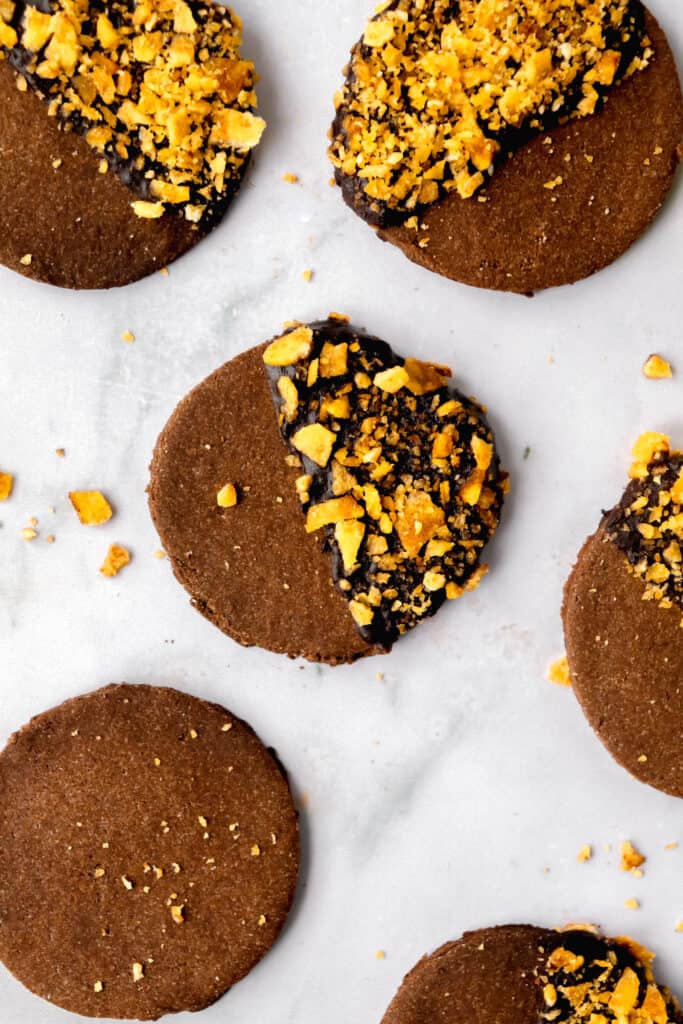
(626, 663)
(251, 569)
(83, 805)
(77, 224)
(525, 238)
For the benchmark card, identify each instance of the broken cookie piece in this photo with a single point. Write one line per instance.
(368, 491)
(492, 140)
(128, 139)
(534, 976)
(623, 619)
(140, 913)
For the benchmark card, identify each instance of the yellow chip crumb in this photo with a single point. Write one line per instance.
(256, 850)
(146, 210)
(26, 260)
(632, 904)
(28, 533)
(6, 485)
(630, 857)
(558, 672)
(138, 972)
(227, 496)
(584, 854)
(656, 367)
(98, 986)
(92, 507)
(307, 276)
(380, 955)
(128, 336)
(178, 913)
(291, 179)
(117, 557)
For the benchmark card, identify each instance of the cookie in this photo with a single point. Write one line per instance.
(622, 614)
(319, 496)
(529, 198)
(149, 855)
(532, 975)
(125, 132)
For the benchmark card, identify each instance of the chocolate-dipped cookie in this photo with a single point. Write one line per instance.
(320, 495)
(149, 853)
(506, 147)
(125, 130)
(623, 613)
(532, 976)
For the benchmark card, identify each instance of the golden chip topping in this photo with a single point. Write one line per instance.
(587, 978)
(399, 473)
(438, 92)
(156, 87)
(647, 524)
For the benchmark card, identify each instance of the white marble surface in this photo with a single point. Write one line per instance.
(433, 800)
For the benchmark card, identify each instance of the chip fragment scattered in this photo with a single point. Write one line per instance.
(117, 557)
(92, 507)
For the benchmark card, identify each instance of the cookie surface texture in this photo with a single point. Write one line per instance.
(149, 855)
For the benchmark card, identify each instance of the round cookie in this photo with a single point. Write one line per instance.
(623, 633)
(149, 856)
(530, 975)
(566, 203)
(67, 213)
(257, 569)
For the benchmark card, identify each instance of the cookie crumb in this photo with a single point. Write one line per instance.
(117, 558)
(60, 452)
(656, 367)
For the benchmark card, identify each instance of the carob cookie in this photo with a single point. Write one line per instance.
(320, 495)
(623, 619)
(125, 129)
(508, 144)
(149, 853)
(532, 976)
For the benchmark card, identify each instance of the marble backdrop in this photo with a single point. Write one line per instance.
(448, 785)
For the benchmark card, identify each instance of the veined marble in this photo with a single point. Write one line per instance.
(456, 790)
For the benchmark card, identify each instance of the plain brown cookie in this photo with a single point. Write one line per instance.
(626, 663)
(252, 569)
(518, 974)
(149, 853)
(525, 237)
